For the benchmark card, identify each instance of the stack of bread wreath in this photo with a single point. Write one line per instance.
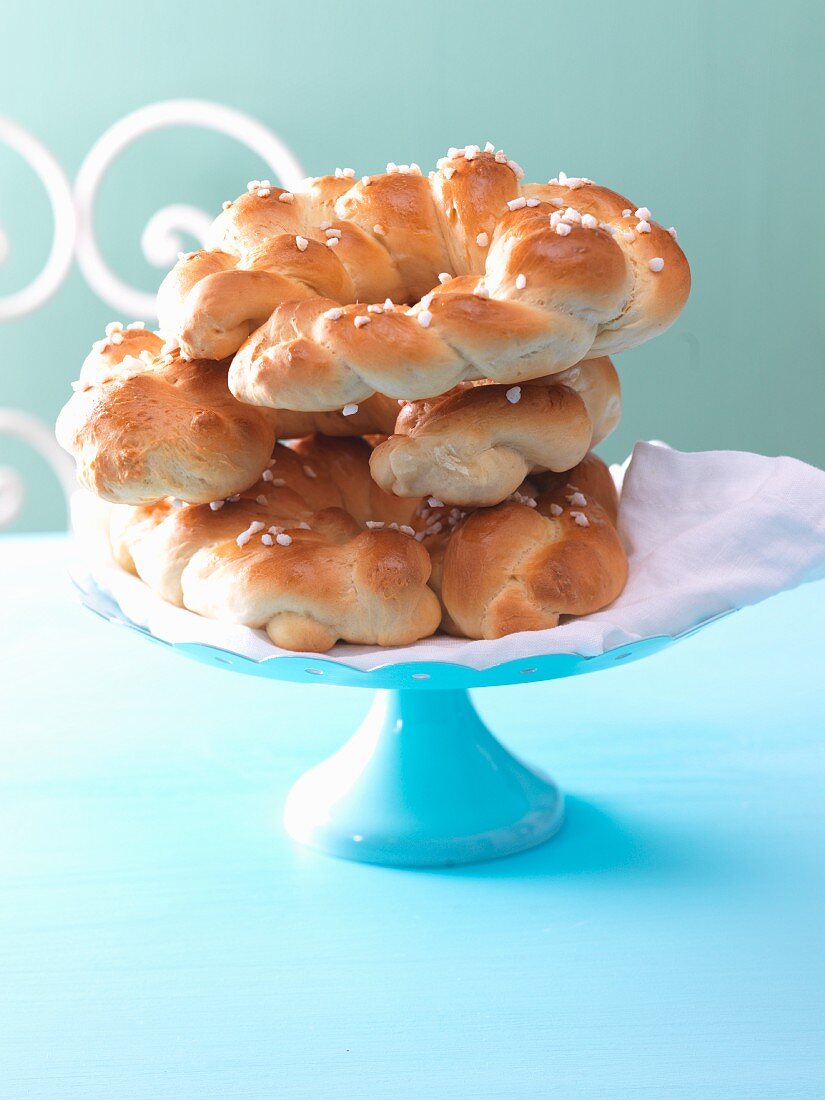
(434, 351)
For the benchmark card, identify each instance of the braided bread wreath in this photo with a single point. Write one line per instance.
(312, 565)
(499, 370)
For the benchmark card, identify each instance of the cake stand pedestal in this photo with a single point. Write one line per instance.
(422, 782)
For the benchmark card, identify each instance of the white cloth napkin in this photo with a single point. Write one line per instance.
(705, 533)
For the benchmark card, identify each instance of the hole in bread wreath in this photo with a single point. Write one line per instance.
(508, 281)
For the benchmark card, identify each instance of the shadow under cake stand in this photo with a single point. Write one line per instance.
(422, 782)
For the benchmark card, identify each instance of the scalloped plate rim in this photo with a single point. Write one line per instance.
(413, 669)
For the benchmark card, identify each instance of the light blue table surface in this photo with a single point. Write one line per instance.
(161, 938)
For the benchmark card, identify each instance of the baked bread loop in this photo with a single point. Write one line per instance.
(281, 558)
(507, 282)
(475, 445)
(516, 567)
(601, 275)
(142, 426)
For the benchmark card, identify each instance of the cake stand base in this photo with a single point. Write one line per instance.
(422, 783)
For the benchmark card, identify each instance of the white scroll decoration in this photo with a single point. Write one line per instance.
(23, 425)
(161, 239)
(59, 191)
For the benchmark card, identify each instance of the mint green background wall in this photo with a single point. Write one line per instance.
(708, 113)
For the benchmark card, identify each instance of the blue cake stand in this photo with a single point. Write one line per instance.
(422, 782)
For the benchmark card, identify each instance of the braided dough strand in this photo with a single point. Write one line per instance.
(516, 567)
(538, 277)
(291, 554)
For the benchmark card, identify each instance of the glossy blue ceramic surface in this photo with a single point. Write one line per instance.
(422, 783)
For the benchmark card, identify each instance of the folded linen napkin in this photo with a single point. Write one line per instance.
(706, 533)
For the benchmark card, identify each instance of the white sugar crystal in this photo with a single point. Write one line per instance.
(588, 221)
(556, 510)
(283, 539)
(643, 213)
(444, 277)
(424, 318)
(253, 529)
(563, 229)
(577, 499)
(580, 519)
(334, 314)
(360, 321)
(656, 264)
(517, 204)
(349, 410)
(643, 227)
(513, 395)
(521, 282)
(302, 243)
(482, 240)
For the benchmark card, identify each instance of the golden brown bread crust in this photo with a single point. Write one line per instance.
(330, 580)
(516, 567)
(475, 445)
(597, 384)
(574, 275)
(144, 428)
(591, 477)
(496, 570)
